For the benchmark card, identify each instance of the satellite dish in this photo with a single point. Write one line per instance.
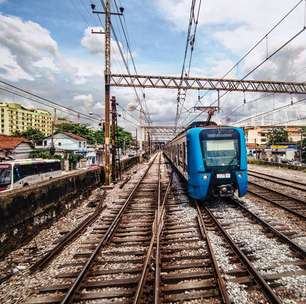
(131, 106)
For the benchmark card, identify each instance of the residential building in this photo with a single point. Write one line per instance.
(15, 117)
(65, 142)
(15, 147)
(258, 136)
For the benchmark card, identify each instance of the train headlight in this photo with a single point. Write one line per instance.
(205, 177)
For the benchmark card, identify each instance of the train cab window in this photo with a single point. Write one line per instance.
(220, 149)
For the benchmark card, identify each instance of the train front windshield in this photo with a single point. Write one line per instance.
(220, 149)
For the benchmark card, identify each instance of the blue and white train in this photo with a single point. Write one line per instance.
(212, 159)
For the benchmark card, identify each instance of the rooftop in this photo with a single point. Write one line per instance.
(11, 142)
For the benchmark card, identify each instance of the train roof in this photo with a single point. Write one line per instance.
(201, 124)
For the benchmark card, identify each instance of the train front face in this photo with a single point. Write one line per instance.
(223, 166)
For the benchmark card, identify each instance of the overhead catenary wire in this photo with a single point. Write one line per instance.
(256, 45)
(123, 59)
(190, 41)
(266, 113)
(129, 49)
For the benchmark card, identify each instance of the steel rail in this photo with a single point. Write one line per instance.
(156, 229)
(157, 255)
(279, 193)
(280, 181)
(276, 203)
(46, 259)
(273, 298)
(220, 281)
(74, 288)
(259, 220)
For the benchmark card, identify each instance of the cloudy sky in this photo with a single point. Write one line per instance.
(47, 47)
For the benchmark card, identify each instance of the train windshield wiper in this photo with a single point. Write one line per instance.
(232, 160)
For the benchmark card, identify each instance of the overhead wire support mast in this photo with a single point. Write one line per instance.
(199, 83)
(107, 71)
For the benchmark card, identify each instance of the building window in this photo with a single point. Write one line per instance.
(80, 144)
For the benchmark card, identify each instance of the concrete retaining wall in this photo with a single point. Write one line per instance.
(24, 212)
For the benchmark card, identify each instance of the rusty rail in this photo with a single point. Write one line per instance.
(69, 237)
(218, 276)
(278, 180)
(282, 237)
(270, 200)
(270, 294)
(74, 288)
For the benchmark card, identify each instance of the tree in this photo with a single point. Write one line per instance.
(35, 135)
(82, 130)
(124, 138)
(277, 135)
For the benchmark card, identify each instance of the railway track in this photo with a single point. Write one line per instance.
(155, 223)
(253, 242)
(109, 263)
(186, 267)
(41, 263)
(291, 204)
(156, 246)
(278, 180)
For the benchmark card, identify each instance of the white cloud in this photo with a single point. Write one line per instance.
(238, 27)
(94, 43)
(9, 68)
(84, 98)
(46, 63)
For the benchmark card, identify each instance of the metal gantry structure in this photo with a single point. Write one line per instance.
(204, 83)
(176, 82)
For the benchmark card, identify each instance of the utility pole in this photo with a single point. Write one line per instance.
(107, 71)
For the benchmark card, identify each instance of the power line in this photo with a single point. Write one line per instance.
(249, 101)
(190, 41)
(42, 98)
(123, 58)
(129, 49)
(83, 17)
(255, 46)
(270, 111)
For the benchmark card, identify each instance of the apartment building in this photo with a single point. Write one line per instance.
(15, 117)
(257, 136)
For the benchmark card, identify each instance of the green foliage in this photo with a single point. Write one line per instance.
(74, 159)
(123, 137)
(94, 137)
(43, 153)
(34, 135)
(82, 130)
(277, 135)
